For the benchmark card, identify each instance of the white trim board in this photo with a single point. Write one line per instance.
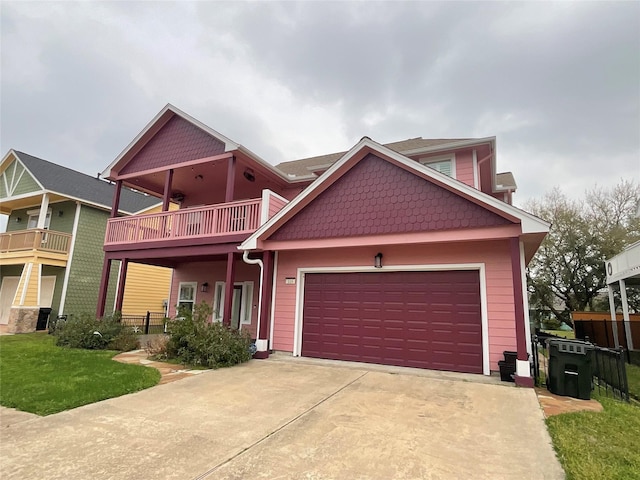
(480, 267)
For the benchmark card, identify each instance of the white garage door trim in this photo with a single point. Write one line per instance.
(480, 267)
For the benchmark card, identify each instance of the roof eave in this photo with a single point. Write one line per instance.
(448, 146)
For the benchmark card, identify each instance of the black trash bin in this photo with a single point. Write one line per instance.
(569, 371)
(43, 318)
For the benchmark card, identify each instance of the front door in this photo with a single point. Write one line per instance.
(241, 306)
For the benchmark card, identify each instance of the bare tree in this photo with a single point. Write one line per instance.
(567, 272)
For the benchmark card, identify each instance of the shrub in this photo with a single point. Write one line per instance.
(194, 341)
(125, 341)
(156, 346)
(86, 332)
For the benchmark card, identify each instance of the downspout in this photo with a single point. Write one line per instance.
(256, 261)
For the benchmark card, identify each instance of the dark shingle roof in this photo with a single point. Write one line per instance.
(78, 185)
(301, 167)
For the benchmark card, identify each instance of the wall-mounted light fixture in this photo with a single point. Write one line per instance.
(249, 175)
(18, 219)
(204, 287)
(60, 213)
(378, 261)
(199, 178)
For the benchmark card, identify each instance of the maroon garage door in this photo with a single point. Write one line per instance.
(411, 319)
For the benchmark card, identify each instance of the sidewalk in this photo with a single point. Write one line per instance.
(170, 372)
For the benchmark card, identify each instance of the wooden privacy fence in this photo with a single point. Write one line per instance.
(598, 327)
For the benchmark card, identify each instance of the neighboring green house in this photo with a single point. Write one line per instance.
(51, 255)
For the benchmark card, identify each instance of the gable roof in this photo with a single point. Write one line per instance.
(166, 115)
(304, 166)
(82, 187)
(529, 223)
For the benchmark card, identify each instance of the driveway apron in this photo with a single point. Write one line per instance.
(268, 419)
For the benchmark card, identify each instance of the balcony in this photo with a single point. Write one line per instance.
(27, 245)
(208, 222)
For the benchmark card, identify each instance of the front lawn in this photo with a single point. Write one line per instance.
(37, 376)
(562, 333)
(599, 445)
(633, 377)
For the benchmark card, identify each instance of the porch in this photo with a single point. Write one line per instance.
(229, 222)
(24, 246)
(236, 287)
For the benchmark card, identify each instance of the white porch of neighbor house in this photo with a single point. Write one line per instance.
(623, 270)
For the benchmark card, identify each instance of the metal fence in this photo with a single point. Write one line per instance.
(608, 367)
(152, 322)
(609, 372)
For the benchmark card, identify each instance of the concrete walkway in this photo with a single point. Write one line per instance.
(169, 372)
(271, 419)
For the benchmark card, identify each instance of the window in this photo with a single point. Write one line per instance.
(446, 164)
(187, 295)
(33, 219)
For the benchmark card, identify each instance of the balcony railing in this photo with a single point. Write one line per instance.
(198, 222)
(35, 239)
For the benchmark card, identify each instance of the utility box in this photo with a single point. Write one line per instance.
(570, 368)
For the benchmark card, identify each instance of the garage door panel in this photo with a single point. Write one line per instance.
(419, 319)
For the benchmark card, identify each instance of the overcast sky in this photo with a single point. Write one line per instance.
(557, 83)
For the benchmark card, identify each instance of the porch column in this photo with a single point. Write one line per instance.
(115, 205)
(625, 313)
(104, 285)
(44, 206)
(614, 322)
(124, 263)
(166, 196)
(262, 342)
(523, 370)
(231, 178)
(228, 289)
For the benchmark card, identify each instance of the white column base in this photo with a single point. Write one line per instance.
(523, 369)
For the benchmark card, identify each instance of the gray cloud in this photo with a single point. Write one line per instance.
(558, 83)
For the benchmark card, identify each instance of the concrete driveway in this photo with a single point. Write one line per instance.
(281, 419)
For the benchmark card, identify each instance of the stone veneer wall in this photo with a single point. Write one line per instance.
(23, 319)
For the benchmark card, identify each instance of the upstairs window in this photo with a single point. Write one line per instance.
(446, 165)
(32, 222)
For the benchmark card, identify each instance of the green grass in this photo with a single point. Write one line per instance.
(600, 445)
(37, 376)
(561, 333)
(633, 377)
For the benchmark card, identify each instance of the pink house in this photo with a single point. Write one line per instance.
(406, 254)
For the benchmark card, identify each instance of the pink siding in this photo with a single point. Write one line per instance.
(212, 272)
(494, 254)
(177, 141)
(464, 167)
(377, 197)
(275, 205)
